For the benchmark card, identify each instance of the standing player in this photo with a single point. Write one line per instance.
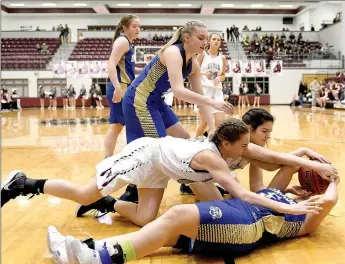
(212, 75)
(146, 114)
(121, 67)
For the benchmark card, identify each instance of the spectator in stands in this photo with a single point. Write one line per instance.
(227, 34)
(161, 38)
(155, 37)
(299, 39)
(313, 87)
(38, 48)
(37, 29)
(166, 37)
(53, 29)
(302, 91)
(336, 19)
(232, 29)
(44, 48)
(245, 28)
(270, 54)
(66, 33)
(236, 33)
(312, 28)
(292, 37)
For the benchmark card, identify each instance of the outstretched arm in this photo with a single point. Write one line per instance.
(174, 63)
(211, 162)
(326, 171)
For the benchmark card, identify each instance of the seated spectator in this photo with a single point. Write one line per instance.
(245, 28)
(161, 38)
(37, 29)
(312, 28)
(44, 48)
(38, 48)
(322, 97)
(292, 36)
(155, 37)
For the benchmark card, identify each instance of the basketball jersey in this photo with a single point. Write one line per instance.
(176, 155)
(214, 65)
(126, 66)
(153, 81)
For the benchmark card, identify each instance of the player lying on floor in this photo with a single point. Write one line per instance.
(217, 228)
(150, 163)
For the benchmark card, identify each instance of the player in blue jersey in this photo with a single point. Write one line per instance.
(146, 113)
(121, 66)
(219, 228)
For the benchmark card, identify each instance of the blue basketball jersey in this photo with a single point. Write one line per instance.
(126, 66)
(153, 81)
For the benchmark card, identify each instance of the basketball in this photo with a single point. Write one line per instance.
(311, 181)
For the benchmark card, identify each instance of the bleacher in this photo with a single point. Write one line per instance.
(22, 54)
(100, 48)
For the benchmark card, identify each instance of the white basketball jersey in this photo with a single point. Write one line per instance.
(214, 65)
(176, 155)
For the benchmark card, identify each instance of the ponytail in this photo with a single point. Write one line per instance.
(125, 21)
(175, 39)
(188, 28)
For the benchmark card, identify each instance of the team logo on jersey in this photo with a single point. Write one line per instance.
(215, 212)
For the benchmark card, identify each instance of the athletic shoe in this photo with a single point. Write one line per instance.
(56, 246)
(78, 252)
(131, 194)
(104, 205)
(17, 184)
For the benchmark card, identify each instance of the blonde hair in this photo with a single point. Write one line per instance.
(178, 36)
(125, 21)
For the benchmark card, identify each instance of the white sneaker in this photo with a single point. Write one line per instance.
(56, 246)
(78, 252)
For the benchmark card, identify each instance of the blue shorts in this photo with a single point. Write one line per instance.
(116, 113)
(227, 226)
(236, 227)
(149, 121)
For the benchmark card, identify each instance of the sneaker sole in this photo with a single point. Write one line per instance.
(69, 250)
(56, 260)
(9, 178)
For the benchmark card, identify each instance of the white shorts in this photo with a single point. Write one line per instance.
(137, 163)
(214, 93)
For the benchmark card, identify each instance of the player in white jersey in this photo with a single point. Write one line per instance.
(212, 70)
(151, 162)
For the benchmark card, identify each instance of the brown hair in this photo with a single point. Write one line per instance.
(125, 21)
(188, 28)
(231, 130)
(209, 39)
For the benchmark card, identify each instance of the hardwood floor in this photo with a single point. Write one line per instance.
(67, 144)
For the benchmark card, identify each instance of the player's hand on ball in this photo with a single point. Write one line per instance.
(326, 171)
